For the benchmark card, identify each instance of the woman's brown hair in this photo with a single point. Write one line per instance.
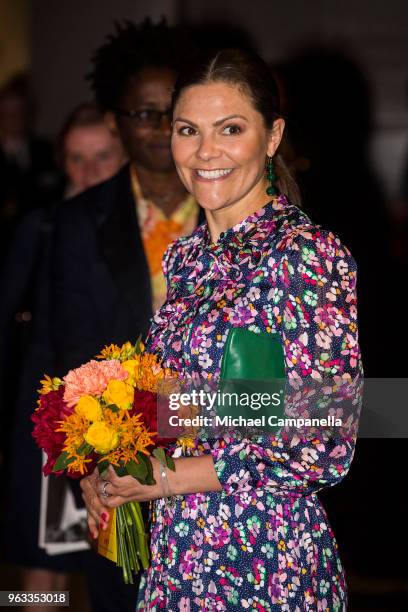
(249, 72)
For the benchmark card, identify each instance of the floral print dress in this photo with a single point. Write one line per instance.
(264, 542)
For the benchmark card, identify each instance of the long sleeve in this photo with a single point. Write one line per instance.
(313, 301)
(16, 274)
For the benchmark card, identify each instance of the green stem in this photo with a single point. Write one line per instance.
(141, 535)
(123, 562)
(131, 539)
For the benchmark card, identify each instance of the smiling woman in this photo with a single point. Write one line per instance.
(220, 143)
(226, 125)
(238, 523)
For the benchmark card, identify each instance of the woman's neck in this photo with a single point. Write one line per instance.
(222, 219)
(163, 188)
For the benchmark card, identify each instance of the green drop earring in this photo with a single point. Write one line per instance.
(271, 190)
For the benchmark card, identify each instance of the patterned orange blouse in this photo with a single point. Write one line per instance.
(158, 231)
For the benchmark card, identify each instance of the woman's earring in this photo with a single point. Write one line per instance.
(271, 176)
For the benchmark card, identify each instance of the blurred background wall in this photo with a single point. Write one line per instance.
(15, 48)
(60, 38)
(373, 31)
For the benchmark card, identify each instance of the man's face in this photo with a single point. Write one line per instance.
(146, 136)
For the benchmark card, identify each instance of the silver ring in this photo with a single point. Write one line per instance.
(103, 490)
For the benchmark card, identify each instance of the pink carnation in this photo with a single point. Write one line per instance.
(91, 379)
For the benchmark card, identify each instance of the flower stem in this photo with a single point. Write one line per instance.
(132, 546)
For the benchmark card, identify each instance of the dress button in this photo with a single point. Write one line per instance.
(222, 235)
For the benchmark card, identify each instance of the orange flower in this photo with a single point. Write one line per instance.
(49, 384)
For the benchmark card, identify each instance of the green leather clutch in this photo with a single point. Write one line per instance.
(252, 364)
(251, 356)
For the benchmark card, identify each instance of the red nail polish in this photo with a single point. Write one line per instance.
(105, 517)
(101, 525)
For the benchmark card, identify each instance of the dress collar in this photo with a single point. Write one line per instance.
(239, 235)
(240, 244)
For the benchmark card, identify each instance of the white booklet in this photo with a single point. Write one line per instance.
(63, 527)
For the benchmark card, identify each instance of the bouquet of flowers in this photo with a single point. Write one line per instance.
(100, 414)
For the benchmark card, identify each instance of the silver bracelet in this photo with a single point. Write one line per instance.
(164, 481)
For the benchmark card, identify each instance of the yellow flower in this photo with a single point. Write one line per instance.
(119, 393)
(89, 407)
(127, 351)
(130, 366)
(102, 437)
(186, 442)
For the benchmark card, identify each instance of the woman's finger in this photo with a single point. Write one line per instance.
(98, 506)
(92, 519)
(95, 508)
(87, 485)
(105, 489)
(118, 483)
(114, 501)
(93, 530)
(112, 475)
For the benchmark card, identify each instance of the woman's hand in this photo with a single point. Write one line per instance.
(192, 475)
(111, 491)
(114, 490)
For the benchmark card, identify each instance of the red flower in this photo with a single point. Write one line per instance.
(52, 409)
(145, 403)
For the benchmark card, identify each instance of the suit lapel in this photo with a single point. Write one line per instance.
(122, 246)
(121, 243)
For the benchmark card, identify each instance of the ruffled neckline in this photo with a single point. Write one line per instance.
(244, 230)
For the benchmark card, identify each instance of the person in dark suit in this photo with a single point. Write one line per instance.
(89, 153)
(109, 241)
(29, 176)
(101, 279)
